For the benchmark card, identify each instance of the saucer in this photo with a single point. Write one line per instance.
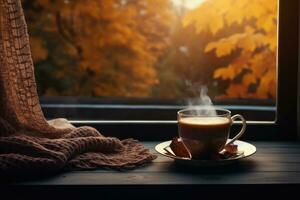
(246, 149)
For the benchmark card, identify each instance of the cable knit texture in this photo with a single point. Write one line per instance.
(30, 146)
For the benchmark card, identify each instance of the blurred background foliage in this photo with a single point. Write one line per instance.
(163, 49)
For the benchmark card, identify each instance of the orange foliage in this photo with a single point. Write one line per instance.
(136, 48)
(101, 48)
(256, 43)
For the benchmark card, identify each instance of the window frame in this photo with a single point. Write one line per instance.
(288, 55)
(285, 125)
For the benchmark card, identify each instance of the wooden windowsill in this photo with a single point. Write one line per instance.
(275, 163)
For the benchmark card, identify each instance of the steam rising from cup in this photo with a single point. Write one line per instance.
(202, 105)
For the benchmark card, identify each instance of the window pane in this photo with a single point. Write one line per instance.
(92, 53)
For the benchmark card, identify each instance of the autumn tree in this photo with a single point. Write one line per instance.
(252, 72)
(98, 48)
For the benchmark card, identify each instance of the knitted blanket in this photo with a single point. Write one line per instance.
(31, 146)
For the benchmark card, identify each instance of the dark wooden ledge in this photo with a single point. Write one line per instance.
(274, 168)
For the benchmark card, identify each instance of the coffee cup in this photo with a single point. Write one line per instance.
(204, 131)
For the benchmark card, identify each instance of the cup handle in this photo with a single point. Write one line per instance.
(242, 131)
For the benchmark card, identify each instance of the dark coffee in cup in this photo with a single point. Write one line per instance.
(204, 136)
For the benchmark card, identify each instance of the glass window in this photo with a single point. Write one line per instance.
(149, 58)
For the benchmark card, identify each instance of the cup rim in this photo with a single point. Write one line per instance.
(227, 112)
